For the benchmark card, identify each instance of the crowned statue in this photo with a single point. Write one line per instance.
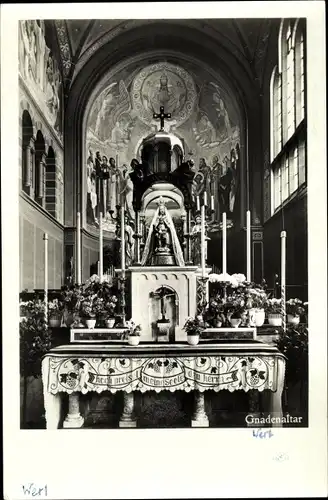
(162, 245)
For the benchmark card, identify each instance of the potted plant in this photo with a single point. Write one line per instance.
(88, 311)
(55, 312)
(235, 308)
(256, 299)
(110, 307)
(273, 310)
(71, 297)
(132, 333)
(35, 341)
(194, 328)
(214, 314)
(294, 309)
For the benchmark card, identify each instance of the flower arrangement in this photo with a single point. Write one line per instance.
(131, 329)
(55, 307)
(88, 307)
(273, 306)
(256, 298)
(194, 326)
(295, 307)
(110, 306)
(71, 297)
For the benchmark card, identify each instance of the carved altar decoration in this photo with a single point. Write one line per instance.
(39, 70)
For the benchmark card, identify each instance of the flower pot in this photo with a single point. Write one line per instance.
(218, 323)
(133, 339)
(193, 339)
(235, 322)
(55, 320)
(110, 323)
(274, 319)
(259, 317)
(252, 317)
(293, 320)
(90, 323)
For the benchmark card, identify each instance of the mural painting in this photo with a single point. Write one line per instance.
(205, 117)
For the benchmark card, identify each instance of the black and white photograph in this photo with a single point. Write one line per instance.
(163, 224)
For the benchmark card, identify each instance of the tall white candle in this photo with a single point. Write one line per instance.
(224, 243)
(122, 238)
(78, 249)
(205, 198)
(45, 238)
(202, 239)
(101, 264)
(197, 204)
(248, 246)
(212, 203)
(283, 236)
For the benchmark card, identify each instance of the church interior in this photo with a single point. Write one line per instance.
(163, 176)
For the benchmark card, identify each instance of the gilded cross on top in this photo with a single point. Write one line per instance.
(161, 115)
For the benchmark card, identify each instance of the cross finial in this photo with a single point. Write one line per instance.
(161, 115)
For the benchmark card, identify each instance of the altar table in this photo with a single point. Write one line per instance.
(230, 365)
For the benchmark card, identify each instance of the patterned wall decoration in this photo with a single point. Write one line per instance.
(205, 116)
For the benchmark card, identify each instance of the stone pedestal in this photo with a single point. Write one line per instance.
(74, 419)
(199, 418)
(128, 419)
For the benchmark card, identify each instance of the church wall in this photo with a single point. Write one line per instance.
(33, 224)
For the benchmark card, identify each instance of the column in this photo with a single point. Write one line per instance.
(74, 419)
(128, 419)
(29, 167)
(185, 236)
(199, 418)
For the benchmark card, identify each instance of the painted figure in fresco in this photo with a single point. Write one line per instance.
(225, 183)
(24, 47)
(216, 173)
(206, 171)
(91, 189)
(196, 241)
(33, 48)
(129, 241)
(111, 198)
(126, 191)
(234, 157)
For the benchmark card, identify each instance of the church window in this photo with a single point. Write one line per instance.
(287, 113)
(39, 171)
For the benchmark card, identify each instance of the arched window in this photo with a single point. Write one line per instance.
(40, 165)
(288, 79)
(27, 154)
(276, 113)
(51, 182)
(299, 44)
(287, 110)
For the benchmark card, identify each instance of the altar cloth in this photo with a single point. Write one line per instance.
(225, 365)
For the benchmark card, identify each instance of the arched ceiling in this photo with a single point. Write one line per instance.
(246, 39)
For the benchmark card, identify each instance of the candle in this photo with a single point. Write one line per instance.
(224, 243)
(283, 236)
(101, 267)
(202, 240)
(212, 203)
(45, 238)
(205, 199)
(78, 248)
(248, 246)
(122, 240)
(197, 204)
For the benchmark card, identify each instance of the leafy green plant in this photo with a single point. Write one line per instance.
(294, 345)
(194, 326)
(35, 341)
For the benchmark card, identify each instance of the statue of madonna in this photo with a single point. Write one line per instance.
(162, 245)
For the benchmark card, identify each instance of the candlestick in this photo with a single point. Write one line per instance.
(248, 246)
(283, 236)
(224, 243)
(202, 239)
(197, 204)
(101, 265)
(45, 238)
(78, 248)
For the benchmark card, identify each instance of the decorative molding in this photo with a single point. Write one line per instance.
(257, 235)
(64, 46)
